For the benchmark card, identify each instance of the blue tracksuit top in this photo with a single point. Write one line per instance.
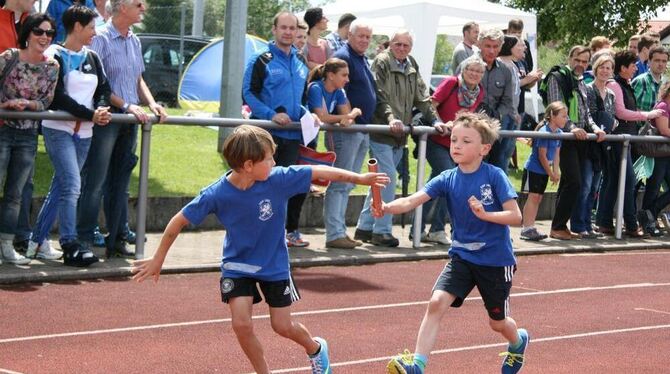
(275, 82)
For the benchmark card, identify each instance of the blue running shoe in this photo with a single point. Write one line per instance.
(98, 238)
(403, 364)
(320, 362)
(513, 361)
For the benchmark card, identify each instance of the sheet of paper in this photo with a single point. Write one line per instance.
(309, 131)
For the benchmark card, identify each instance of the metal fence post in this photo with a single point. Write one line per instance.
(143, 191)
(621, 186)
(420, 178)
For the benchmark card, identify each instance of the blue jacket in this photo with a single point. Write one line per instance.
(56, 9)
(361, 89)
(275, 83)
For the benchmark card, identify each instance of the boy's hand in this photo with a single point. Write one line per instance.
(150, 267)
(375, 179)
(378, 213)
(555, 177)
(476, 207)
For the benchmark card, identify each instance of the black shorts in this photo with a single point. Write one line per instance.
(534, 182)
(277, 294)
(459, 277)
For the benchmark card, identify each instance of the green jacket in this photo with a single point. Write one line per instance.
(398, 91)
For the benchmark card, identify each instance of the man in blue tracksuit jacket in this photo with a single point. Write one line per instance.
(273, 87)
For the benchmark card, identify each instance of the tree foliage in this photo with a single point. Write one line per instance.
(164, 17)
(577, 21)
(261, 12)
(443, 52)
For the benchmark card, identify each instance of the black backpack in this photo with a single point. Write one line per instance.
(562, 75)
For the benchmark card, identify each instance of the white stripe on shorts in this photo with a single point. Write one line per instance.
(294, 293)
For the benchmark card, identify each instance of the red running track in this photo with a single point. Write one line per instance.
(596, 313)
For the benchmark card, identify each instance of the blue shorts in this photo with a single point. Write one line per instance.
(494, 283)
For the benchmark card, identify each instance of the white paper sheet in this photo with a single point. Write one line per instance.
(309, 131)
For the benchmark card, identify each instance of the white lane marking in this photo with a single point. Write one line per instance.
(7, 371)
(526, 288)
(616, 253)
(494, 345)
(653, 310)
(316, 312)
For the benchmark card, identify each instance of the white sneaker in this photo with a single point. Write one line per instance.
(43, 251)
(439, 237)
(10, 255)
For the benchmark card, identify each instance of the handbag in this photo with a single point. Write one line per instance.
(308, 156)
(651, 149)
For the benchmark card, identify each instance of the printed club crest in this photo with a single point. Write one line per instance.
(265, 209)
(486, 194)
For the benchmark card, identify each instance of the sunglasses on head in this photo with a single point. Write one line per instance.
(39, 32)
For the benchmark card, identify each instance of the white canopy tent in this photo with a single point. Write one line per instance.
(428, 18)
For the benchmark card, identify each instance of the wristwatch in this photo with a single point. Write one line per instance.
(125, 107)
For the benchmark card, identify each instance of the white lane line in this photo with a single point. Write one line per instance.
(526, 288)
(316, 312)
(7, 371)
(494, 345)
(616, 253)
(653, 310)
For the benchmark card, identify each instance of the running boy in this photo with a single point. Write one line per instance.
(542, 165)
(481, 251)
(250, 201)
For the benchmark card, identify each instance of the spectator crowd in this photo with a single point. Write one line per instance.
(82, 57)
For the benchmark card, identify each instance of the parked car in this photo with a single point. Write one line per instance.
(162, 60)
(435, 81)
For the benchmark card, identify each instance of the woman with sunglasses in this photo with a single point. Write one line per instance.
(84, 92)
(28, 80)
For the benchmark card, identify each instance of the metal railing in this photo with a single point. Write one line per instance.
(422, 131)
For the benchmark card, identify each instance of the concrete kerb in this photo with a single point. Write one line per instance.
(64, 274)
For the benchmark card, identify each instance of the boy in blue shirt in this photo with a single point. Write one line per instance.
(250, 201)
(481, 251)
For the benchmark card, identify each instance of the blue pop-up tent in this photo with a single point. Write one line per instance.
(200, 86)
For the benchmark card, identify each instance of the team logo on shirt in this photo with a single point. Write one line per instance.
(227, 285)
(265, 209)
(486, 193)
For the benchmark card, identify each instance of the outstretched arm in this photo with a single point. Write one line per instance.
(402, 205)
(341, 175)
(151, 267)
(510, 215)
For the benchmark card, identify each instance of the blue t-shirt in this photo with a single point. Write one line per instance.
(317, 96)
(533, 163)
(479, 242)
(255, 242)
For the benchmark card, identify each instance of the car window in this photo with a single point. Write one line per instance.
(154, 54)
(174, 58)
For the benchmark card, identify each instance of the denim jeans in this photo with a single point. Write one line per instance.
(608, 191)
(503, 148)
(286, 154)
(440, 160)
(67, 156)
(23, 229)
(351, 149)
(652, 200)
(388, 157)
(580, 220)
(17, 158)
(107, 170)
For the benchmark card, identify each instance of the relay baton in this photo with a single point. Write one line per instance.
(376, 190)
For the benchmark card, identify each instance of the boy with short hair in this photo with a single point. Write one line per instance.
(481, 252)
(250, 201)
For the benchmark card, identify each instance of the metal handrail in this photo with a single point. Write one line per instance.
(421, 131)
